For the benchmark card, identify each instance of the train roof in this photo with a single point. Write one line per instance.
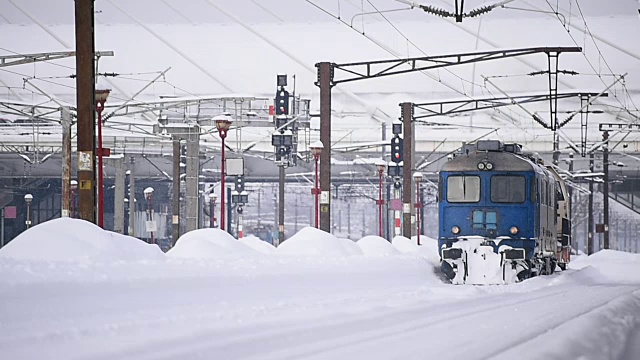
(501, 161)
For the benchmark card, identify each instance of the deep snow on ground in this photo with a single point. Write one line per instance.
(69, 290)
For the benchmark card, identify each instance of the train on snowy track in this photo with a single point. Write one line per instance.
(503, 215)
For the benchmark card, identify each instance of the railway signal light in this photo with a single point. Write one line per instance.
(397, 149)
(239, 183)
(282, 102)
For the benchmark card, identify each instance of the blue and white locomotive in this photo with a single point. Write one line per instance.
(504, 216)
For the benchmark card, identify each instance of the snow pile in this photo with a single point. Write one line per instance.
(73, 240)
(210, 244)
(257, 244)
(350, 246)
(314, 242)
(609, 266)
(376, 246)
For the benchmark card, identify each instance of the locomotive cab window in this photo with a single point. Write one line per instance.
(463, 189)
(508, 189)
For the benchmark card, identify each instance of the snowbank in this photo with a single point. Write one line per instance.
(609, 266)
(351, 247)
(257, 244)
(376, 246)
(314, 242)
(210, 244)
(74, 240)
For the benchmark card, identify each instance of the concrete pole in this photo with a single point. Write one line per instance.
(66, 162)
(118, 200)
(191, 186)
(132, 198)
(407, 170)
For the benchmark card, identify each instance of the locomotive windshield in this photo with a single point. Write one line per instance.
(507, 189)
(463, 189)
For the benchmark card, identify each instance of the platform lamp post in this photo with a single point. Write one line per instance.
(148, 194)
(316, 150)
(381, 165)
(223, 123)
(101, 98)
(213, 197)
(28, 198)
(417, 177)
(73, 186)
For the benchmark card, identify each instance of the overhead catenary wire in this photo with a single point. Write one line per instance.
(394, 53)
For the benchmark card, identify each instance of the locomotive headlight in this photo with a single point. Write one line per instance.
(513, 230)
(489, 166)
(481, 166)
(455, 230)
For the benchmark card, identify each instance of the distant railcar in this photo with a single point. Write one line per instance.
(503, 216)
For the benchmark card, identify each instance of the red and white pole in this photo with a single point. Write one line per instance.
(223, 188)
(380, 202)
(317, 193)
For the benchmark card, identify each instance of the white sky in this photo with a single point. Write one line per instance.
(221, 47)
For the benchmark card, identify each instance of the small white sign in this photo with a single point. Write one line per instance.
(324, 197)
(234, 166)
(151, 226)
(406, 208)
(85, 162)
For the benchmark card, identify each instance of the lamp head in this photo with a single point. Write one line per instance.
(148, 191)
(102, 95)
(316, 148)
(28, 198)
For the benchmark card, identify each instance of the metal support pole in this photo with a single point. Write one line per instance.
(151, 215)
(28, 222)
(590, 211)
(281, 204)
(100, 185)
(132, 199)
(2, 229)
(605, 168)
(574, 242)
(325, 78)
(407, 168)
(223, 186)
(316, 195)
(349, 219)
(175, 204)
(418, 211)
(66, 162)
(85, 99)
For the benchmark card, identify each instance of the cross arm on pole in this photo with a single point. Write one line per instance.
(450, 107)
(18, 59)
(370, 69)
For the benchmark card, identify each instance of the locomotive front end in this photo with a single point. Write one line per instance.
(487, 212)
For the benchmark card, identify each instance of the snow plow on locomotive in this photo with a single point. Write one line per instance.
(503, 216)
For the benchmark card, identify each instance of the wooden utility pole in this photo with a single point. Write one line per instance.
(85, 98)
